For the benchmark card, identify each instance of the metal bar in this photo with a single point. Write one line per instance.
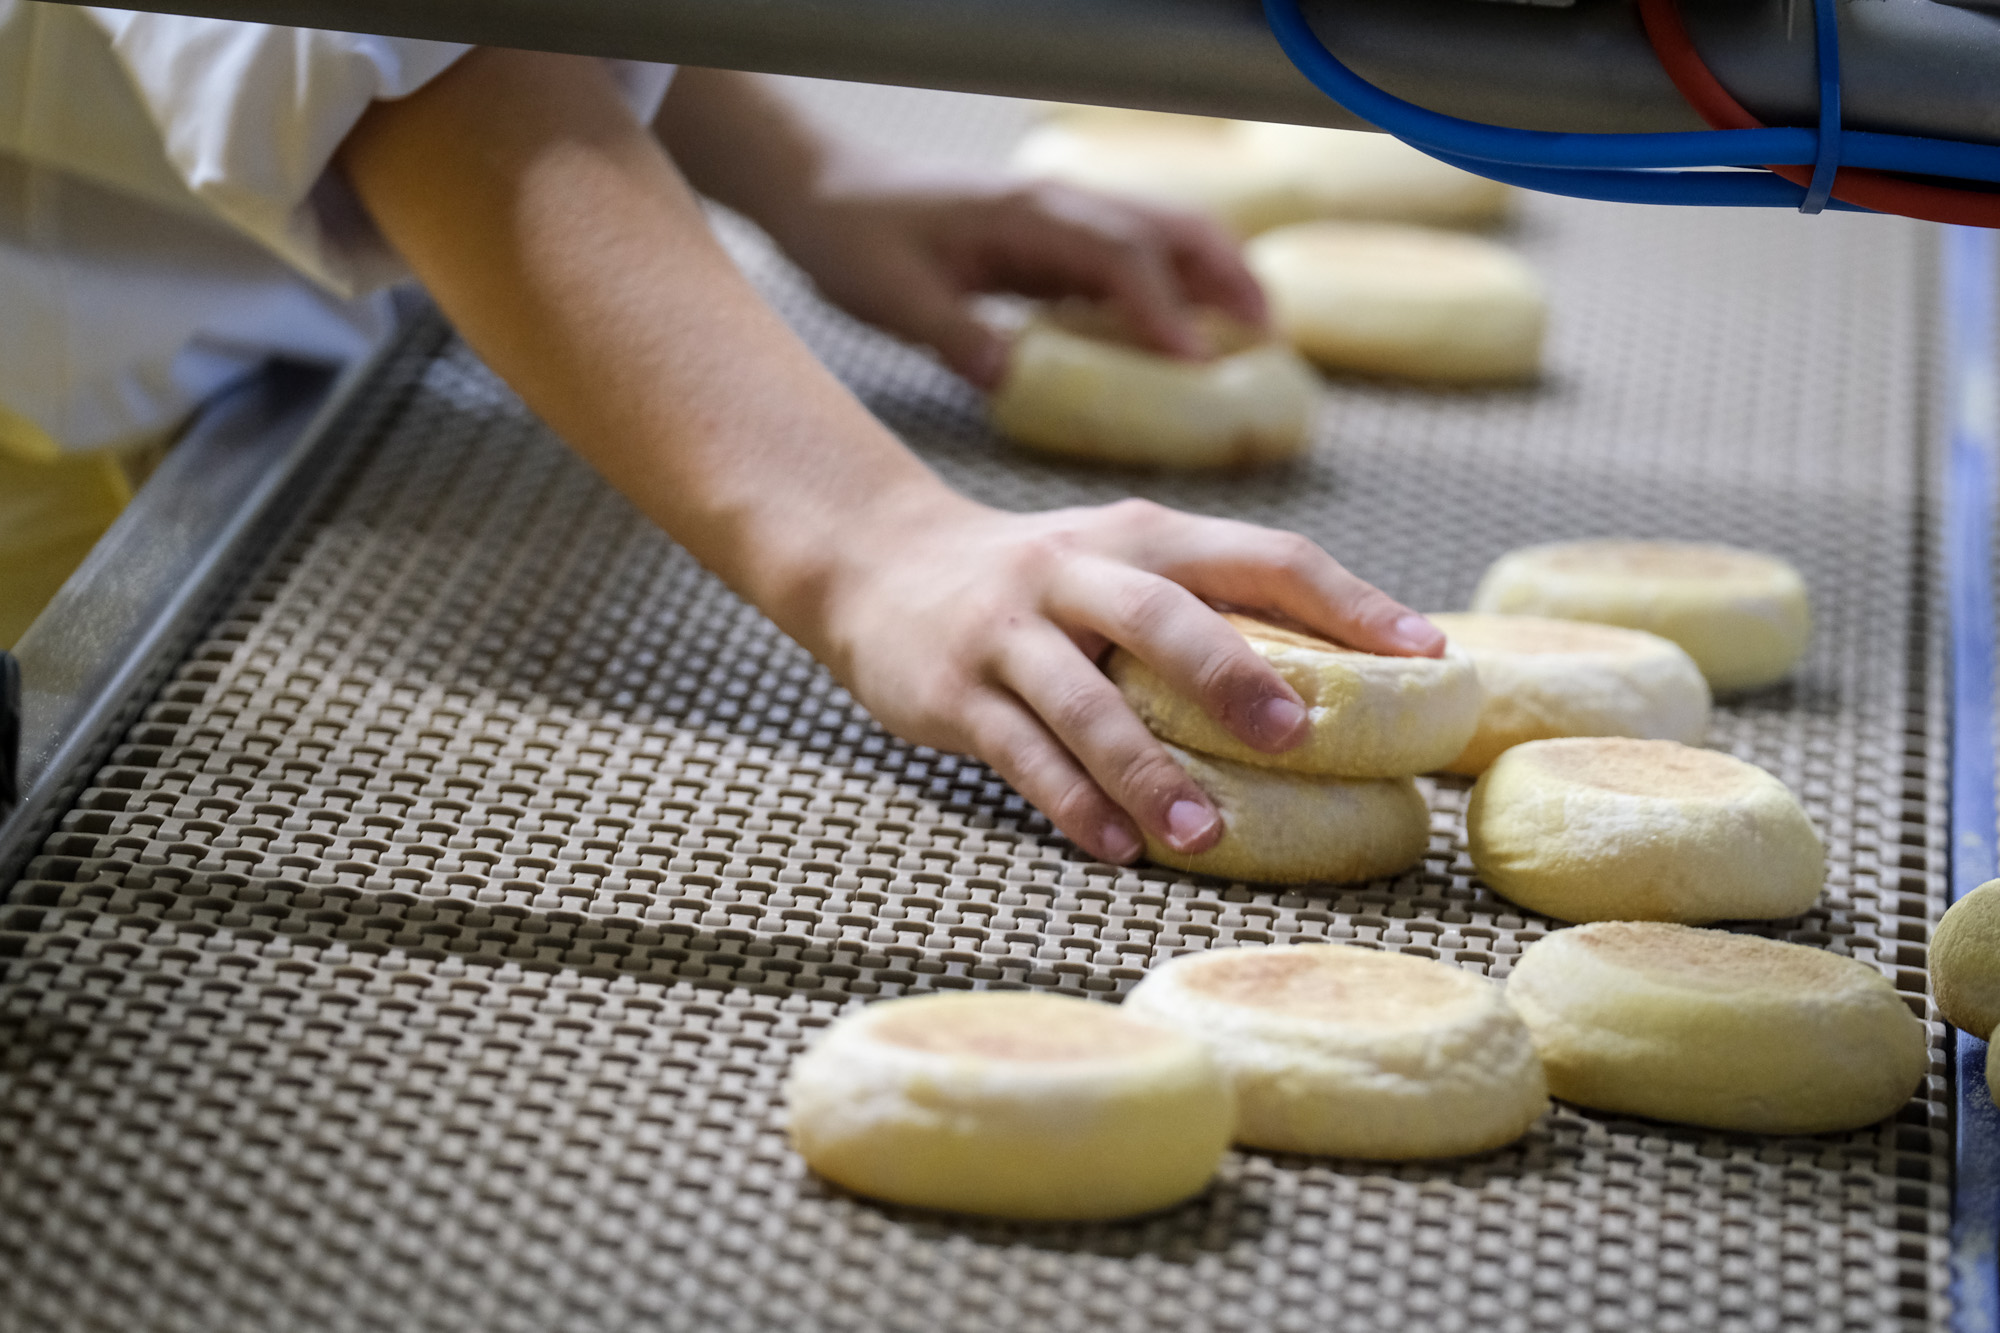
(146, 586)
(1969, 300)
(10, 732)
(1909, 68)
(245, 471)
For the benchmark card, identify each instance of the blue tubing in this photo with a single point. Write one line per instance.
(1440, 134)
(1731, 189)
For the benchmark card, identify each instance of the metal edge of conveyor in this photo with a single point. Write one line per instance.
(248, 469)
(1971, 305)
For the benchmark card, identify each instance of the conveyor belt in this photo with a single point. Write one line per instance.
(429, 954)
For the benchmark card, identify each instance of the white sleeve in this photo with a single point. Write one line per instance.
(251, 116)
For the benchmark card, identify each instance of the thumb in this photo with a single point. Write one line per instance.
(942, 319)
(973, 350)
(911, 301)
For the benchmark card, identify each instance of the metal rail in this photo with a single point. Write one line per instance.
(1967, 279)
(249, 467)
(1910, 66)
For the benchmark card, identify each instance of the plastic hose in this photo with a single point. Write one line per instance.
(1869, 189)
(1630, 167)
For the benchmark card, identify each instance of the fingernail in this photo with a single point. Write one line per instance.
(1120, 847)
(1188, 822)
(1276, 721)
(1420, 634)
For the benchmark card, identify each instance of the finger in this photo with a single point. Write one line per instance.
(966, 346)
(1142, 285)
(913, 302)
(1257, 568)
(1024, 752)
(1195, 651)
(1063, 242)
(1089, 717)
(1209, 264)
(1307, 585)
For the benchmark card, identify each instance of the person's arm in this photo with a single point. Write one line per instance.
(904, 245)
(554, 231)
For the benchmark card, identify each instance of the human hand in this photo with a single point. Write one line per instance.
(905, 250)
(626, 328)
(968, 629)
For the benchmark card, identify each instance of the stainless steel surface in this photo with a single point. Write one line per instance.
(245, 470)
(1907, 66)
(1910, 65)
(430, 952)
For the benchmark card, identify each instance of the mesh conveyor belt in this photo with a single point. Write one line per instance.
(430, 953)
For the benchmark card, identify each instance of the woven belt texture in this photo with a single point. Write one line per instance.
(430, 953)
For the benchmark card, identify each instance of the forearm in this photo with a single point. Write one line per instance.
(556, 234)
(739, 141)
(554, 231)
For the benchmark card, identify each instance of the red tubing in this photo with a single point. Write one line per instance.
(1870, 189)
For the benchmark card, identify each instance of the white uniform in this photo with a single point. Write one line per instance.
(168, 221)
